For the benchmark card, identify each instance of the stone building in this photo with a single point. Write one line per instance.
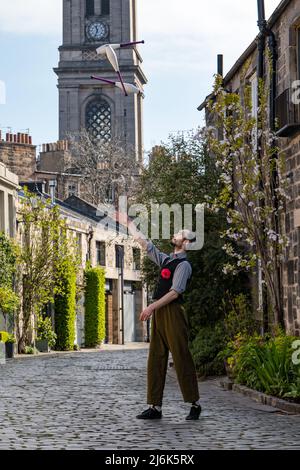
(284, 28)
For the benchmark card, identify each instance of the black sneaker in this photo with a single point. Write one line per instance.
(194, 413)
(151, 413)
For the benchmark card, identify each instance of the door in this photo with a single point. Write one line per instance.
(129, 317)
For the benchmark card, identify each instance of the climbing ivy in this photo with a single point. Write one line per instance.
(65, 307)
(8, 256)
(94, 306)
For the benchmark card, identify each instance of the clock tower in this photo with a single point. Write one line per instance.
(102, 109)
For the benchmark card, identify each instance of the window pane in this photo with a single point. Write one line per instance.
(105, 10)
(90, 7)
(100, 253)
(11, 214)
(72, 190)
(98, 120)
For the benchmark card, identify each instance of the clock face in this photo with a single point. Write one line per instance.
(97, 31)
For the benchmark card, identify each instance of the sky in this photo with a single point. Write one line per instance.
(182, 40)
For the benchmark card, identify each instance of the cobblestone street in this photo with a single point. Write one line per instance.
(89, 400)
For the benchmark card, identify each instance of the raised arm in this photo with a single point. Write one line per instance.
(138, 236)
(153, 252)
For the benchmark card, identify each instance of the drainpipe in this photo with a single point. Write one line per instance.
(265, 32)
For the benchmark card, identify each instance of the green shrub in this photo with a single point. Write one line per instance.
(265, 364)
(8, 257)
(294, 391)
(31, 350)
(9, 301)
(94, 306)
(65, 309)
(45, 331)
(205, 348)
(239, 317)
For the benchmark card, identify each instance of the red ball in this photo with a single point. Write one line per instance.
(166, 273)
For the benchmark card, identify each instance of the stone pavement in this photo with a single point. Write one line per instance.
(89, 400)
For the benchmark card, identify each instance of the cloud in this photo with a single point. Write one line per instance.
(189, 35)
(36, 17)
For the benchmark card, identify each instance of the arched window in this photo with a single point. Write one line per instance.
(98, 119)
(90, 7)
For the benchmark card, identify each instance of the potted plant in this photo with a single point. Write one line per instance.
(3, 338)
(46, 338)
(10, 346)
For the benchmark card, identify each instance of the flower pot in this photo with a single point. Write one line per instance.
(9, 350)
(42, 345)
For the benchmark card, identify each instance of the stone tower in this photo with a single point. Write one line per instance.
(86, 103)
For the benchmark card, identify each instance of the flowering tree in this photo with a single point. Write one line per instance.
(248, 158)
(44, 251)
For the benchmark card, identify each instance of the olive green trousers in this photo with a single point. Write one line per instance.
(169, 332)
